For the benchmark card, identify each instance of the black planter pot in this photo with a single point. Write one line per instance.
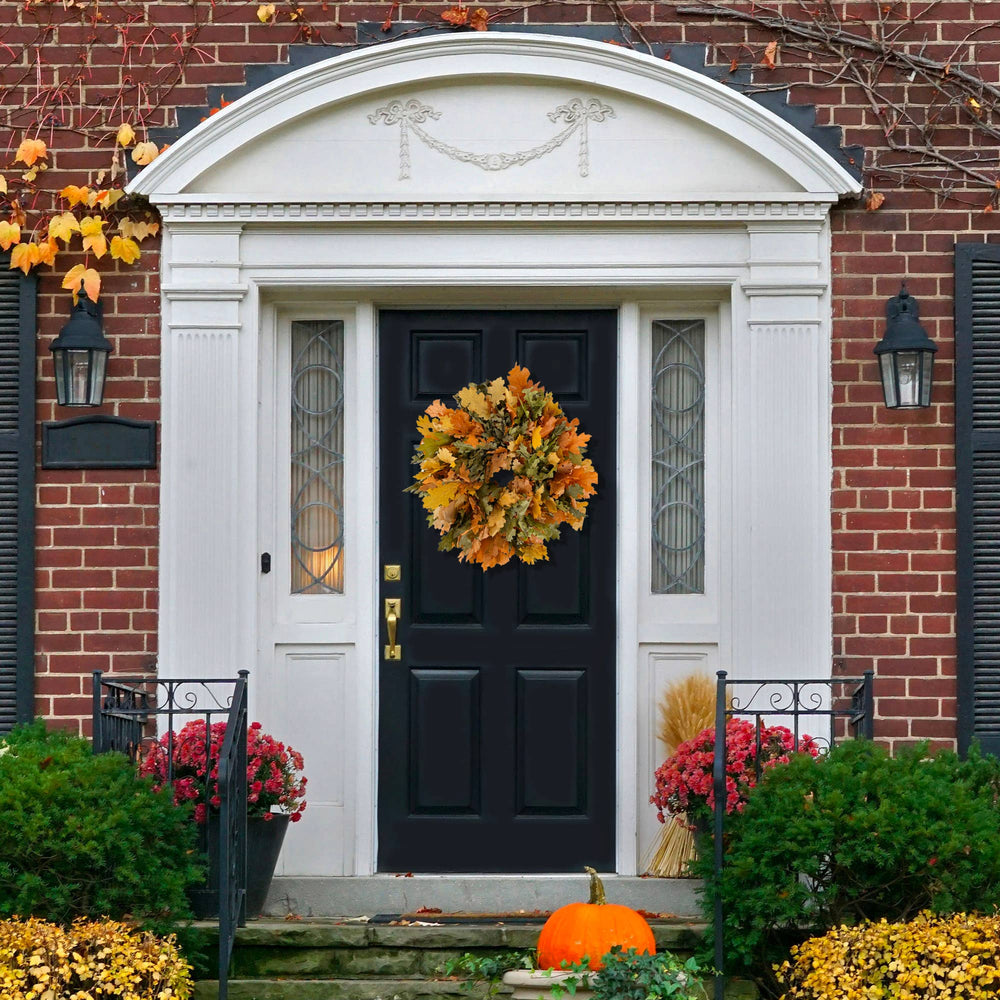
(264, 840)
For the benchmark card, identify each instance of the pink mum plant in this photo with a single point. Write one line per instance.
(274, 770)
(684, 780)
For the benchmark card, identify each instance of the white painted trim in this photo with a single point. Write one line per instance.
(760, 262)
(510, 56)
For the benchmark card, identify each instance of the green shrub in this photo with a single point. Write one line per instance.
(947, 958)
(857, 835)
(90, 959)
(81, 835)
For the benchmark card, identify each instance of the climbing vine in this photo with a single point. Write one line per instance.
(88, 86)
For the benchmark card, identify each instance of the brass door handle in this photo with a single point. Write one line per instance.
(393, 609)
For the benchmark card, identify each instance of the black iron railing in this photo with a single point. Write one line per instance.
(130, 712)
(842, 706)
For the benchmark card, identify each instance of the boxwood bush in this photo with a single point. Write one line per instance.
(856, 835)
(82, 836)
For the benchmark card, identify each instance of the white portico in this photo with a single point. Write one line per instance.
(483, 172)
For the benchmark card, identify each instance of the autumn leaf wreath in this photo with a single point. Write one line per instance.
(502, 470)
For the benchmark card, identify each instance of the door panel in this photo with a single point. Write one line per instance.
(496, 730)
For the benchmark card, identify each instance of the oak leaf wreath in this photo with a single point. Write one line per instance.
(514, 431)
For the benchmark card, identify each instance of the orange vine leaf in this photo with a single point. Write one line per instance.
(90, 279)
(31, 150)
(770, 52)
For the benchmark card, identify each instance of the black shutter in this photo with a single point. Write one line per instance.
(17, 494)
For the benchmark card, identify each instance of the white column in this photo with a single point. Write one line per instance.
(202, 504)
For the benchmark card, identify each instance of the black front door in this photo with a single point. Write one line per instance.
(496, 729)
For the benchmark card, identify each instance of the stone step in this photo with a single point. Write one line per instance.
(310, 897)
(303, 950)
(342, 989)
(385, 989)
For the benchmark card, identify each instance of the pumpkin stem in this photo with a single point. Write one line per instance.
(597, 897)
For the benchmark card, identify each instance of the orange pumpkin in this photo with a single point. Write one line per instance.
(590, 930)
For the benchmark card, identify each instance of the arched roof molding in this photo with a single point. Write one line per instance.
(470, 59)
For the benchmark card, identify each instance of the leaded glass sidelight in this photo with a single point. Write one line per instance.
(678, 457)
(317, 457)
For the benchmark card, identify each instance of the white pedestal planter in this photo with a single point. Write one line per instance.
(537, 985)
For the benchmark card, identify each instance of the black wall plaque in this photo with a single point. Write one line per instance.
(99, 442)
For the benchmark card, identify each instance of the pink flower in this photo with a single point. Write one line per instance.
(684, 780)
(274, 777)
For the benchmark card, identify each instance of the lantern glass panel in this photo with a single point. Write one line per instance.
(928, 366)
(908, 372)
(98, 362)
(887, 363)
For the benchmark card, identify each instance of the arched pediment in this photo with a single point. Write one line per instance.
(506, 117)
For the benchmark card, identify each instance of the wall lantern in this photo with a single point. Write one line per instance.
(905, 355)
(80, 355)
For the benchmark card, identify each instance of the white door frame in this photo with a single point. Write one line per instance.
(626, 224)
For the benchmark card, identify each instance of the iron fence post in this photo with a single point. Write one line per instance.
(718, 817)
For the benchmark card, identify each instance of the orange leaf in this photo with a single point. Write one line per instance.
(47, 252)
(75, 195)
(770, 51)
(90, 279)
(457, 15)
(518, 379)
(31, 150)
(479, 19)
(24, 256)
(874, 201)
(734, 65)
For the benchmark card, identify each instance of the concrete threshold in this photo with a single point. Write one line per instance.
(342, 896)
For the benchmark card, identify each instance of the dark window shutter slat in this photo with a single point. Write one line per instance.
(977, 459)
(17, 494)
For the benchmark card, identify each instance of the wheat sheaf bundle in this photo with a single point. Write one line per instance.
(687, 707)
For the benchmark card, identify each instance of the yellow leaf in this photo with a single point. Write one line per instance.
(124, 250)
(29, 175)
(126, 136)
(144, 153)
(265, 13)
(497, 391)
(474, 401)
(137, 231)
(440, 495)
(90, 279)
(3, 184)
(10, 233)
(74, 195)
(536, 439)
(530, 554)
(24, 256)
(445, 456)
(63, 226)
(93, 238)
(31, 150)
(496, 520)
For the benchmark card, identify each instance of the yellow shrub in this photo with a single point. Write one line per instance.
(92, 960)
(945, 958)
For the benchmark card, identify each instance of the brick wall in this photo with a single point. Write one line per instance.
(894, 534)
